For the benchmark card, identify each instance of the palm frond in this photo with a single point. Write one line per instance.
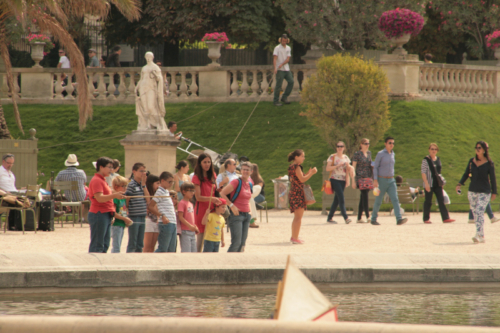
(4, 53)
(131, 9)
(49, 23)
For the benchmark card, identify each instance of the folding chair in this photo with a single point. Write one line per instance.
(76, 206)
(31, 194)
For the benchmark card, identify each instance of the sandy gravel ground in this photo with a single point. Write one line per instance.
(320, 237)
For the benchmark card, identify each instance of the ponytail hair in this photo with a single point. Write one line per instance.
(295, 153)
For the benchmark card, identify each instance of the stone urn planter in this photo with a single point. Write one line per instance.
(37, 53)
(400, 41)
(214, 52)
(497, 55)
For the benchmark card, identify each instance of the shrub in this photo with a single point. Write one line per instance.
(347, 100)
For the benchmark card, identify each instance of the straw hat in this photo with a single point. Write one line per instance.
(71, 160)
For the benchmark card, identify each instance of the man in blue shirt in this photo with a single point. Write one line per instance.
(383, 174)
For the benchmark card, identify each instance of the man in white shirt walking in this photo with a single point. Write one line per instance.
(281, 56)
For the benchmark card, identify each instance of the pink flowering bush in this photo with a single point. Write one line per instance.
(493, 39)
(216, 37)
(41, 38)
(397, 22)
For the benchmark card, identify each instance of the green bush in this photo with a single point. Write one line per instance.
(347, 100)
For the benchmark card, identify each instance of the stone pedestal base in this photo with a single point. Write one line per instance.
(213, 84)
(37, 85)
(155, 149)
(403, 72)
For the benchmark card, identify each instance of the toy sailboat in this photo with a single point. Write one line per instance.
(298, 299)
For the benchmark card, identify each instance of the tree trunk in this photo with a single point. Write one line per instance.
(4, 130)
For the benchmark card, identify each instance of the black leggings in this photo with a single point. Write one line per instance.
(363, 204)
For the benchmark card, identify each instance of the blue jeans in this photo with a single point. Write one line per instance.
(387, 185)
(188, 241)
(136, 234)
(488, 211)
(238, 226)
(99, 232)
(210, 246)
(338, 186)
(260, 198)
(167, 238)
(288, 76)
(117, 232)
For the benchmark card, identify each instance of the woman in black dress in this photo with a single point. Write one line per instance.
(362, 164)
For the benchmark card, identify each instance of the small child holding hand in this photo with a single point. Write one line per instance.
(214, 230)
(121, 220)
(189, 230)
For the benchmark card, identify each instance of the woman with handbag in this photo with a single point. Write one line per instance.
(296, 196)
(433, 183)
(362, 164)
(340, 170)
(482, 188)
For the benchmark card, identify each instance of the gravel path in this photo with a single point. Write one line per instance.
(320, 237)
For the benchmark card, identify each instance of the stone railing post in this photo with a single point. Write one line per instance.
(214, 82)
(403, 72)
(36, 83)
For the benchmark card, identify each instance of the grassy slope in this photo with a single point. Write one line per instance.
(269, 136)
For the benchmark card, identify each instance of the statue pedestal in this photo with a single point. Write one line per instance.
(403, 72)
(156, 149)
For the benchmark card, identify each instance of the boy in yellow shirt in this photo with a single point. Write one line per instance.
(214, 230)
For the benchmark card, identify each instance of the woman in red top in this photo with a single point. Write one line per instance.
(204, 188)
(239, 219)
(101, 206)
(296, 195)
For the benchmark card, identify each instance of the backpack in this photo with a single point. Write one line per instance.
(238, 189)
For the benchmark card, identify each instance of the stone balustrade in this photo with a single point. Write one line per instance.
(460, 83)
(117, 85)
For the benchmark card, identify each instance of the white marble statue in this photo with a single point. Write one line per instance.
(150, 104)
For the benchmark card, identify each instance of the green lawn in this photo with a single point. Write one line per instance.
(269, 136)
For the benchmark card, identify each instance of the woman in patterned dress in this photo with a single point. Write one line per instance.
(296, 195)
(362, 164)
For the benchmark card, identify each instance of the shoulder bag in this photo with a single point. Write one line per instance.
(327, 186)
(440, 179)
(309, 195)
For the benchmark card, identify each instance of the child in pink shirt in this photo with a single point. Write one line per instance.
(185, 210)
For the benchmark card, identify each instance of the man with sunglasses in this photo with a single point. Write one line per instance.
(383, 174)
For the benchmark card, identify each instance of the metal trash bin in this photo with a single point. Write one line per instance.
(281, 189)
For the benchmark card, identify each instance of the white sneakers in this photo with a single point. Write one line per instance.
(478, 239)
(472, 221)
(495, 219)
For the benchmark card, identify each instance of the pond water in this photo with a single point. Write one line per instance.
(478, 308)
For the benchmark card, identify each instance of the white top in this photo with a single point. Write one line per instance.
(165, 205)
(339, 173)
(283, 53)
(65, 62)
(7, 180)
(230, 175)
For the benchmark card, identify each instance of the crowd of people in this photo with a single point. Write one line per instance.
(161, 211)
(379, 176)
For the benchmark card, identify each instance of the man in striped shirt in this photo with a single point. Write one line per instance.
(137, 207)
(71, 173)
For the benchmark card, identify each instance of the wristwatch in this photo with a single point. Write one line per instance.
(231, 205)
(143, 186)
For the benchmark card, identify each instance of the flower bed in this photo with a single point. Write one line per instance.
(41, 38)
(398, 22)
